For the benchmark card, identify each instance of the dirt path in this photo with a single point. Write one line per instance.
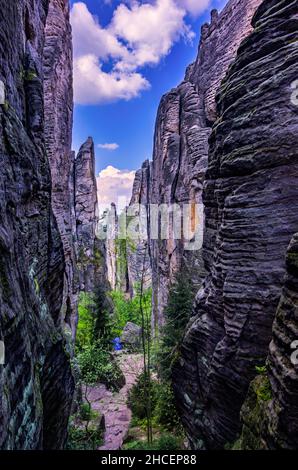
(114, 405)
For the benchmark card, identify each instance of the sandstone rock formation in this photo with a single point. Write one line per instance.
(183, 126)
(138, 247)
(86, 210)
(36, 383)
(57, 62)
(250, 198)
(270, 419)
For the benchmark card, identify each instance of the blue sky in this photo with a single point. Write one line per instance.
(122, 70)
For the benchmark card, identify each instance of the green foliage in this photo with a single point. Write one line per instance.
(97, 365)
(138, 397)
(165, 411)
(86, 412)
(164, 442)
(163, 406)
(261, 370)
(128, 310)
(86, 322)
(80, 438)
(264, 392)
(95, 320)
(177, 315)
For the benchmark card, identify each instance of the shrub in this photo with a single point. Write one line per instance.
(138, 398)
(177, 315)
(83, 439)
(165, 411)
(97, 365)
(128, 310)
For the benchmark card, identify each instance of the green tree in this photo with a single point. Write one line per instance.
(177, 315)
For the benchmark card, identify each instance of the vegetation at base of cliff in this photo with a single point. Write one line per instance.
(95, 324)
(177, 315)
(128, 310)
(162, 403)
(94, 342)
(98, 366)
(263, 390)
(86, 429)
(166, 428)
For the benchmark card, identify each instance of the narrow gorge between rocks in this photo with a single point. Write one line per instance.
(124, 330)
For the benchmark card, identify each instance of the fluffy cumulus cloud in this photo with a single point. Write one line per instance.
(108, 61)
(113, 184)
(108, 146)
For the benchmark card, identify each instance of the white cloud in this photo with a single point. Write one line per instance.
(150, 30)
(108, 146)
(112, 184)
(107, 59)
(194, 7)
(93, 85)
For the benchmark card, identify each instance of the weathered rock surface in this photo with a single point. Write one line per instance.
(57, 63)
(183, 127)
(138, 249)
(36, 383)
(250, 198)
(131, 335)
(273, 424)
(86, 209)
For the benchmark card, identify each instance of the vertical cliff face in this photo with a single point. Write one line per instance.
(282, 412)
(86, 210)
(269, 414)
(183, 127)
(57, 62)
(138, 250)
(36, 383)
(250, 198)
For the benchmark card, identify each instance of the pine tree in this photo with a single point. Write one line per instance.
(177, 315)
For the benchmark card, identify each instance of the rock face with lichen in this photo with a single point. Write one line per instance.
(270, 411)
(86, 210)
(183, 127)
(138, 247)
(250, 198)
(57, 63)
(36, 383)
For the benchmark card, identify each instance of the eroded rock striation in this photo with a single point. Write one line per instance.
(36, 383)
(180, 156)
(269, 414)
(86, 210)
(250, 198)
(138, 247)
(58, 90)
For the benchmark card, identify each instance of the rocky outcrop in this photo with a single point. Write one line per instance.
(131, 336)
(36, 383)
(86, 210)
(138, 247)
(282, 413)
(270, 421)
(57, 61)
(183, 127)
(250, 198)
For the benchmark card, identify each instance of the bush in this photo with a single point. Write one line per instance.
(97, 365)
(95, 320)
(83, 439)
(163, 406)
(177, 315)
(165, 411)
(128, 310)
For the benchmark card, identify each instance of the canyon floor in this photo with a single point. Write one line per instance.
(113, 406)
